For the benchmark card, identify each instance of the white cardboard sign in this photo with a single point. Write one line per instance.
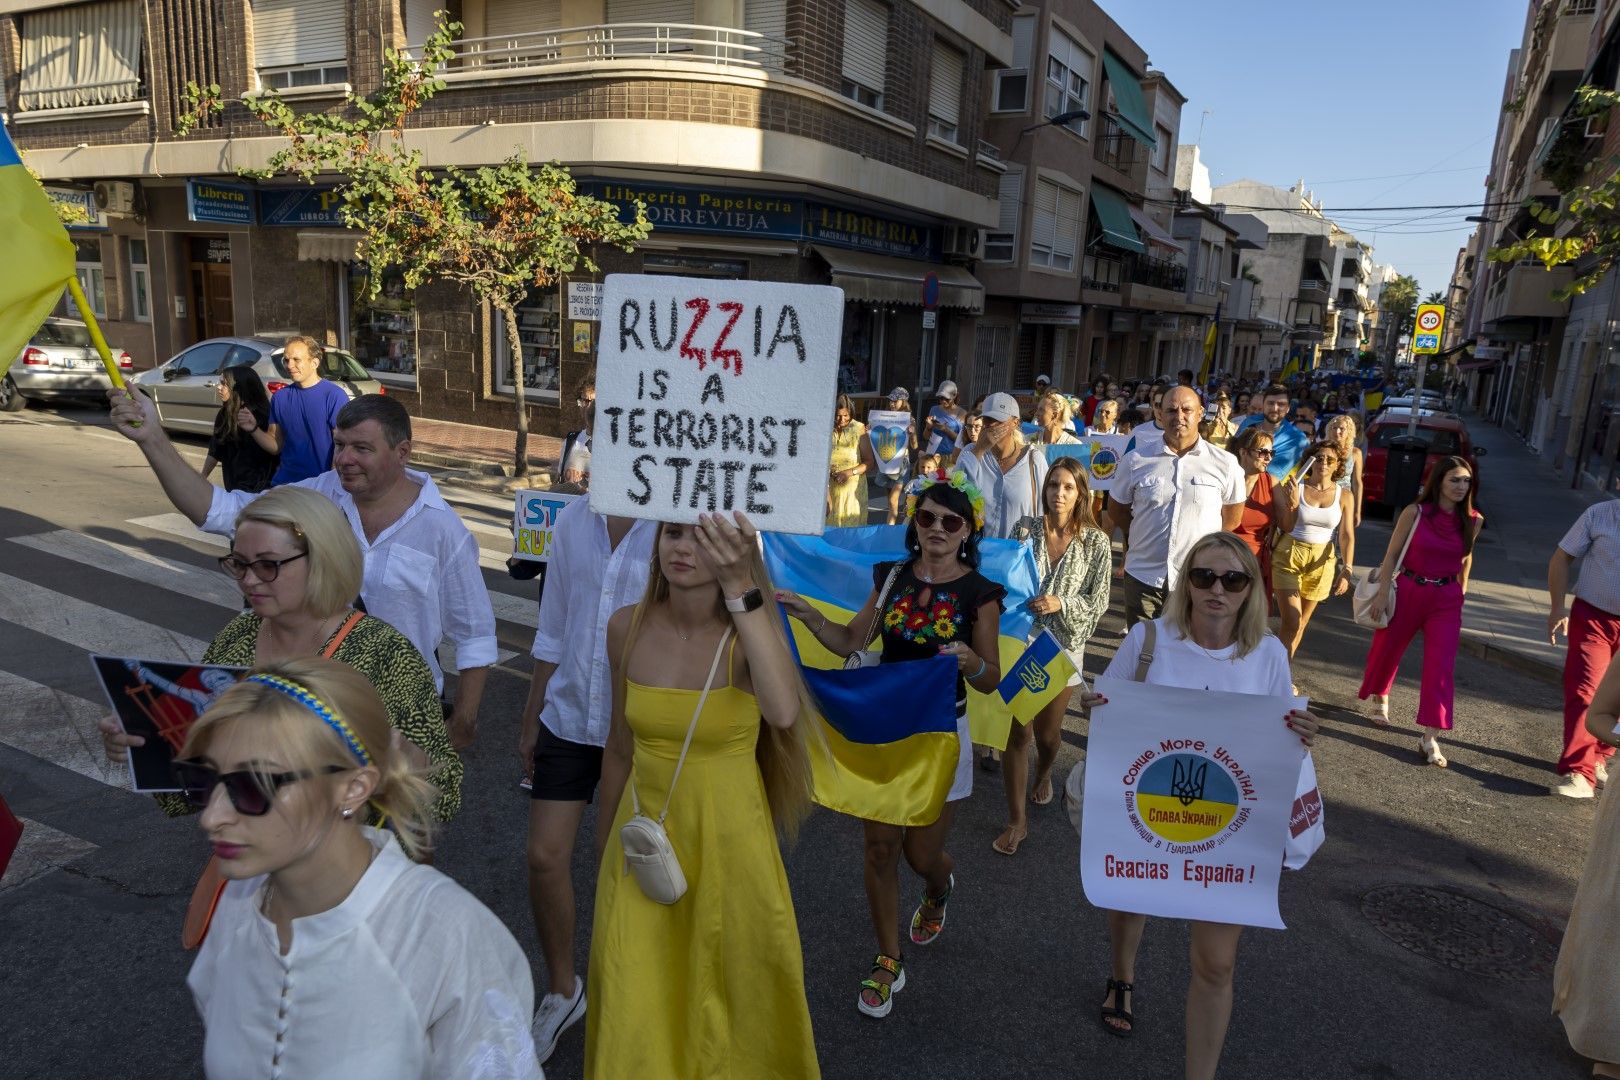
(534, 524)
(1188, 796)
(715, 395)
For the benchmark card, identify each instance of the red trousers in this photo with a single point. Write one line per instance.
(1594, 638)
(1436, 610)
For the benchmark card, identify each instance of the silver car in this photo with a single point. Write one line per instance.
(58, 363)
(185, 388)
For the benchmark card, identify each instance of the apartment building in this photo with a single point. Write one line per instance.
(830, 141)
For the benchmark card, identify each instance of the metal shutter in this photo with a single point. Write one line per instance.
(419, 21)
(1068, 224)
(509, 18)
(866, 43)
(768, 17)
(1011, 191)
(290, 32)
(945, 84)
(1044, 233)
(1023, 35)
(657, 12)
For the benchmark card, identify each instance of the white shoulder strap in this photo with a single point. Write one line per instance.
(708, 684)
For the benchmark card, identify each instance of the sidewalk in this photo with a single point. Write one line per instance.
(480, 451)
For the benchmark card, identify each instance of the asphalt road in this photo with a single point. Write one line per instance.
(92, 980)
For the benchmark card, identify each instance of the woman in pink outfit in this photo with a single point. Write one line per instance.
(1429, 585)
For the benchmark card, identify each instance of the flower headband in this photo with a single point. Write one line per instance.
(308, 700)
(955, 478)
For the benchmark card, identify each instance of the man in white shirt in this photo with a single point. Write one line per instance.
(421, 562)
(1149, 437)
(1166, 500)
(1009, 472)
(1592, 625)
(599, 565)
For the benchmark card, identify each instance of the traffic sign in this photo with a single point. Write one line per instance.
(1431, 321)
(930, 291)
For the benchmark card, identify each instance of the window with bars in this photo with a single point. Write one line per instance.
(945, 92)
(1069, 68)
(1001, 243)
(1012, 84)
(1054, 240)
(866, 51)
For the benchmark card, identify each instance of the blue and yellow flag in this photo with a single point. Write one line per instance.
(1210, 337)
(1036, 677)
(38, 260)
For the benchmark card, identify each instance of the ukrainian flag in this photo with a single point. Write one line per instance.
(1036, 677)
(39, 255)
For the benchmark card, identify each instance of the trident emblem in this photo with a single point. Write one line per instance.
(1187, 782)
(1033, 676)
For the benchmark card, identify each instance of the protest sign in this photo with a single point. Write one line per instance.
(890, 432)
(715, 395)
(1098, 455)
(534, 524)
(159, 700)
(1188, 797)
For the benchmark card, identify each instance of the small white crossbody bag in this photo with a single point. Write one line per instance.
(647, 851)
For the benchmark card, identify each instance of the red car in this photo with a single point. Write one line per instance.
(1439, 435)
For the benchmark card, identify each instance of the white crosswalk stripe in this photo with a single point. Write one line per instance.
(57, 727)
(89, 626)
(41, 850)
(181, 526)
(131, 562)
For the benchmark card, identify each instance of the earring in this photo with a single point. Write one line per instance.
(348, 812)
(962, 553)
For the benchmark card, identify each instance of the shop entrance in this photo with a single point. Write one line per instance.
(211, 310)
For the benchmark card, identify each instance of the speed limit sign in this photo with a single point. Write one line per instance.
(1431, 319)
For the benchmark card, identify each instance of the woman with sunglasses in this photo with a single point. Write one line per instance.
(1429, 586)
(1316, 517)
(331, 954)
(1257, 527)
(299, 568)
(937, 603)
(1212, 636)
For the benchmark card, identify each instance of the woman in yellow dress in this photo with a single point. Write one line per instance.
(712, 986)
(851, 461)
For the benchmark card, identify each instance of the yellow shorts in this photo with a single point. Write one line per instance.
(1308, 569)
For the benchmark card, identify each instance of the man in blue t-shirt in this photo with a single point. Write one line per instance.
(1288, 443)
(302, 415)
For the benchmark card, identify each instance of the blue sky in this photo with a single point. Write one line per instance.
(1349, 96)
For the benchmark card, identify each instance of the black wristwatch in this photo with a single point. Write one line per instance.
(752, 600)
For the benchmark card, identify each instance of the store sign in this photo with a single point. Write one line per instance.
(711, 396)
(1051, 314)
(1162, 324)
(1121, 322)
(534, 524)
(82, 201)
(227, 204)
(585, 300)
(305, 207)
(870, 232)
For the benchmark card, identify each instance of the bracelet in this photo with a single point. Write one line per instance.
(983, 663)
(817, 631)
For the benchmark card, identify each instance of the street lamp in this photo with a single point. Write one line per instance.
(1060, 120)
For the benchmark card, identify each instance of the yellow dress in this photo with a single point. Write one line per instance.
(846, 502)
(712, 986)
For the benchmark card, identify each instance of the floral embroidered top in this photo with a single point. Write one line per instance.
(917, 618)
(1081, 580)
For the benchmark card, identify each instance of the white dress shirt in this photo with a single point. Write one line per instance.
(409, 978)
(1147, 438)
(1595, 540)
(1175, 499)
(421, 573)
(587, 581)
(1010, 495)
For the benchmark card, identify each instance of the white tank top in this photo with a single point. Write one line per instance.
(1316, 524)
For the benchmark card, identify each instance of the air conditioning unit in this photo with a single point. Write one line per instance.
(115, 196)
(960, 242)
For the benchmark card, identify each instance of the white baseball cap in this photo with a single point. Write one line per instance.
(1047, 379)
(946, 389)
(999, 406)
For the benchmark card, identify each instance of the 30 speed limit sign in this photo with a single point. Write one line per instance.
(1431, 320)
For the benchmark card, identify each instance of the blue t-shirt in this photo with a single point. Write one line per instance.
(306, 419)
(1288, 445)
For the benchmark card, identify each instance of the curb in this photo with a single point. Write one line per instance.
(1533, 666)
(481, 472)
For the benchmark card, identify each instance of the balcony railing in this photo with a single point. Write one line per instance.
(623, 43)
(1156, 273)
(1113, 147)
(1102, 273)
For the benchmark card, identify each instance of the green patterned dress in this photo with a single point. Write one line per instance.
(1081, 582)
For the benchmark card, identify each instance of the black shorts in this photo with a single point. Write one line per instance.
(564, 771)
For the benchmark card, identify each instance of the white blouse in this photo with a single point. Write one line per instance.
(409, 977)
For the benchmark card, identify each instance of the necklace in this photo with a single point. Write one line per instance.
(1211, 655)
(929, 579)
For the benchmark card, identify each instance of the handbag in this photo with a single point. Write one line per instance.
(861, 658)
(1074, 788)
(1367, 589)
(647, 850)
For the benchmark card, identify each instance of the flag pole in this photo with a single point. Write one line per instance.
(96, 337)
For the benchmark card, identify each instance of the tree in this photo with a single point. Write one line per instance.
(499, 230)
(1436, 297)
(1399, 303)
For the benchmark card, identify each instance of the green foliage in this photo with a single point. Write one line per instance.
(203, 104)
(1400, 297)
(1435, 297)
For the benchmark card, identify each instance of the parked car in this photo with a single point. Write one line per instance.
(1439, 435)
(1432, 399)
(184, 387)
(58, 363)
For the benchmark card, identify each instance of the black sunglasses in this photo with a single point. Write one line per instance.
(1233, 581)
(265, 570)
(951, 523)
(250, 792)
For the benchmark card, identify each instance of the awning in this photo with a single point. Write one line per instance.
(1478, 365)
(329, 245)
(1154, 233)
(1114, 215)
(884, 279)
(1130, 106)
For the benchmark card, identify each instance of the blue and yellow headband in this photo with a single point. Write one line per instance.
(308, 700)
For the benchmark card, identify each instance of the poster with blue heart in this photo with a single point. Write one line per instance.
(890, 432)
(1098, 455)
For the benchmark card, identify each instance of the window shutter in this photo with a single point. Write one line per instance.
(1009, 194)
(89, 54)
(292, 32)
(419, 21)
(511, 18)
(1023, 35)
(866, 43)
(1046, 202)
(658, 12)
(768, 17)
(945, 84)
(1067, 244)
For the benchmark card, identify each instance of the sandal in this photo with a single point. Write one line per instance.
(1115, 1009)
(1379, 704)
(925, 930)
(1007, 843)
(1035, 797)
(1431, 751)
(885, 991)
(990, 759)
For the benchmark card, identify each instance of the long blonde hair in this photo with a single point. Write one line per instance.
(1251, 621)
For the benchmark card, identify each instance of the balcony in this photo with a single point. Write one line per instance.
(1524, 291)
(1102, 273)
(1313, 289)
(630, 44)
(1113, 147)
(1154, 284)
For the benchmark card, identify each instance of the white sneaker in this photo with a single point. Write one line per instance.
(554, 1016)
(1601, 772)
(1574, 786)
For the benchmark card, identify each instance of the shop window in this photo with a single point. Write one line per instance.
(1012, 84)
(140, 282)
(945, 93)
(866, 51)
(1068, 79)
(84, 54)
(92, 278)
(1001, 243)
(860, 359)
(382, 328)
(540, 331)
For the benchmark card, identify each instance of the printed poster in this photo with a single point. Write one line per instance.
(1098, 454)
(159, 700)
(890, 434)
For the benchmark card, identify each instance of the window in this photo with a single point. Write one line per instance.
(656, 26)
(140, 282)
(205, 359)
(1161, 148)
(92, 278)
(300, 43)
(1068, 79)
(860, 356)
(945, 92)
(382, 329)
(1012, 84)
(769, 18)
(866, 51)
(540, 332)
(1001, 244)
(1055, 238)
(86, 54)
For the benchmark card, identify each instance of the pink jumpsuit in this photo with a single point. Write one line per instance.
(1436, 610)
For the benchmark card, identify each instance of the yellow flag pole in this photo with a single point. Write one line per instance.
(96, 337)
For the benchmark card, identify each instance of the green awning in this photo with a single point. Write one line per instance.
(1114, 215)
(1132, 111)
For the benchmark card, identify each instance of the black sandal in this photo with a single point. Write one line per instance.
(1115, 1010)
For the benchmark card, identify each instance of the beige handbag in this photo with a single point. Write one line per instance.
(647, 851)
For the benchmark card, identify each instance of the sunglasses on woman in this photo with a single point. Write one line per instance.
(951, 523)
(250, 792)
(1263, 452)
(1233, 581)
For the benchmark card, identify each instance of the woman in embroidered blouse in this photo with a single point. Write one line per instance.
(331, 954)
(1072, 556)
(963, 614)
